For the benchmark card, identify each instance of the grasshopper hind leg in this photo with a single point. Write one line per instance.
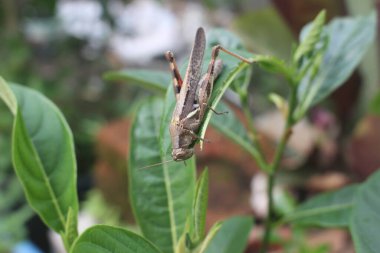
(206, 85)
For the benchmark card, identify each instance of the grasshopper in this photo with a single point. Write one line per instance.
(192, 95)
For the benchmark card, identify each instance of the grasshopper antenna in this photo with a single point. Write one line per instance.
(152, 165)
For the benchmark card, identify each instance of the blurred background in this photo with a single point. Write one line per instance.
(62, 48)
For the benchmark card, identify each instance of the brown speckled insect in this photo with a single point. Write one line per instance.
(192, 95)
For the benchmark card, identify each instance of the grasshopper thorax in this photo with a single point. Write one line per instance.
(182, 154)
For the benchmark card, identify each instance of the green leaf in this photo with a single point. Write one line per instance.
(161, 196)
(103, 238)
(349, 39)
(242, 81)
(43, 157)
(211, 234)
(198, 215)
(71, 232)
(275, 65)
(231, 126)
(232, 236)
(7, 96)
(332, 209)
(365, 222)
(280, 103)
(154, 80)
(311, 38)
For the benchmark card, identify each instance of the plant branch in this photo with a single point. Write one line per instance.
(273, 168)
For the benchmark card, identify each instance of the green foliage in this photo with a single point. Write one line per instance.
(266, 32)
(348, 40)
(42, 150)
(233, 128)
(299, 243)
(12, 222)
(232, 236)
(210, 236)
(161, 196)
(103, 238)
(365, 220)
(355, 207)
(14, 212)
(169, 206)
(320, 46)
(70, 233)
(225, 38)
(169, 187)
(275, 65)
(153, 80)
(43, 158)
(199, 209)
(331, 209)
(310, 40)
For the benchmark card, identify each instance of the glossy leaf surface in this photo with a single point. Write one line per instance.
(43, 157)
(348, 40)
(102, 239)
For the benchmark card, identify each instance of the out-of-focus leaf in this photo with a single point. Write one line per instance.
(365, 221)
(241, 83)
(232, 236)
(369, 66)
(284, 202)
(349, 39)
(274, 65)
(154, 80)
(231, 126)
(224, 38)
(331, 209)
(280, 103)
(266, 31)
(210, 236)
(102, 239)
(311, 38)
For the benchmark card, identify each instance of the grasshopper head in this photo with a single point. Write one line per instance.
(182, 154)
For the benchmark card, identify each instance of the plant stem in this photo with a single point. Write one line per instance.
(271, 180)
(274, 168)
(268, 221)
